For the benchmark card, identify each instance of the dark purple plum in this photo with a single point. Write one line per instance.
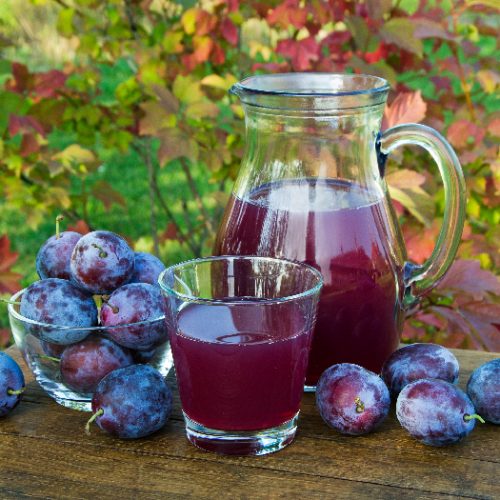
(352, 399)
(144, 356)
(85, 364)
(11, 384)
(53, 258)
(135, 303)
(132, 402)
(101, 262)
(52, 350)
(58, 302)
(435, 412)
(417, 361)
(483, 389)
(147, 268)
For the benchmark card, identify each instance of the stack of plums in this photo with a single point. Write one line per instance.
(97, 280)
(421, 379)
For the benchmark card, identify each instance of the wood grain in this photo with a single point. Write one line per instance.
(44, 452)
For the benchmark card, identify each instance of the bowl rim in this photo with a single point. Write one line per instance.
(18, 316)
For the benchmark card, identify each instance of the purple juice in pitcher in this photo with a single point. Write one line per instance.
(339, 228)
(241, 367)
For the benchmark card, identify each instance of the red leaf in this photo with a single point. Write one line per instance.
(202, 48)
(170, 233)
(9, 280)
(420, 242)
(24, 124)
(47, 84)
(484, 317)
(4, 338)
(229, 31)
(467, 276)
(407, 107)
(218, 56)
(427, 28)
(23, 79)
(302, 52)
(104, 192)
(205, 22)
(80, 227)
(288, 13)
(29, 145)
(463, 133)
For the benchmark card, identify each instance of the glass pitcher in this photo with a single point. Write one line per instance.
(311, 188)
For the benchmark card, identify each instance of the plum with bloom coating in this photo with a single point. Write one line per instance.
(131, 402)
(417, 361)
(135, 303)
(483, 388)
(436, 412)
(352, 399)
(101, 262)
(11, 384)
(85, 364)
(147, 268)
(58, 302)
(53, 258)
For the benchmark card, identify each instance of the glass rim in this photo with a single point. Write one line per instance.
(97, 328)
(243, 87)
(243, 300)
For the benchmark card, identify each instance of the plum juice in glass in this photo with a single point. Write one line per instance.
(311, 188)
(240, 330)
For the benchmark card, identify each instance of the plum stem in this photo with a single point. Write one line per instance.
(59, 218)
(468, 417)
(98, 413)
(102, 253)
(50, 358)
(12, 392)
(360, 406)
(13, 302)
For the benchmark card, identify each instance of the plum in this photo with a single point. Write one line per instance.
(417, 361)
(101, 262)
(352, 399)
(435, 412)
(147, 268)
(135, 303)
(11, 384)
(85, 364)
(483, 389)
(58, 302)
(53, 258)
(131, 402)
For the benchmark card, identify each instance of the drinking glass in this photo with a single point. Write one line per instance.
(240, 331)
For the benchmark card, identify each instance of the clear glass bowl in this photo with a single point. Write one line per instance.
(34, 341)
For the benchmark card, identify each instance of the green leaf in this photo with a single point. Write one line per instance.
(65, 22)
(360, 31)
(75, 154)
(416, 201)
(176, 144)
(202, 109)
(187, 89)
(399, 31)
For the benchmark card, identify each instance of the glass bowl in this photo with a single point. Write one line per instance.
(36, 342)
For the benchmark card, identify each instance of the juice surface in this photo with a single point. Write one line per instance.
(241, 367)
(341, 229)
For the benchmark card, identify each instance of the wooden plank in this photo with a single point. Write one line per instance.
(385, 464)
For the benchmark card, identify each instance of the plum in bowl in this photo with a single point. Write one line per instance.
(69, 361)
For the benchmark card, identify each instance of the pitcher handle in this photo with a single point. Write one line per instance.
(419, 279)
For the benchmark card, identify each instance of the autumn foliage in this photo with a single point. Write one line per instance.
(151, 76)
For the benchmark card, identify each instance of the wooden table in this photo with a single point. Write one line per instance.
(44, 452)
